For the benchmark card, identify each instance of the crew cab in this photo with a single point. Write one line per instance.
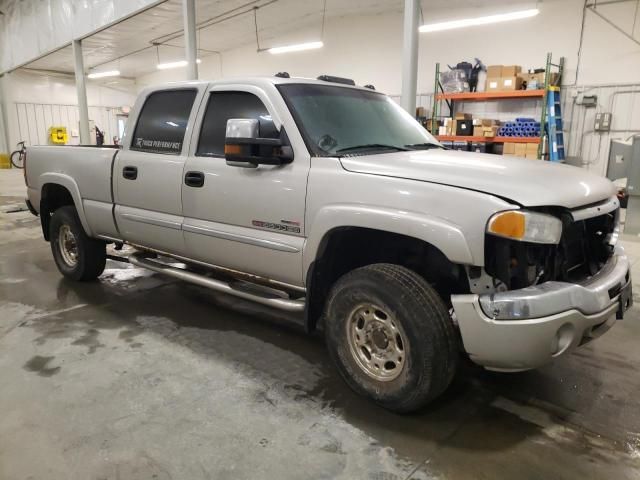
(325, 198)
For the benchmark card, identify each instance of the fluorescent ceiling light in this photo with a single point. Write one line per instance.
(110, 73)
(470, 22)
(296, 48)
(178, 64)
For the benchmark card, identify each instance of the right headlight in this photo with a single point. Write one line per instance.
(526, 226)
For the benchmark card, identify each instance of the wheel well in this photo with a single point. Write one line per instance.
(53, 197)
(346, 248)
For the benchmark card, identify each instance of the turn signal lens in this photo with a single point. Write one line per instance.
(508, 224)
(526, 226)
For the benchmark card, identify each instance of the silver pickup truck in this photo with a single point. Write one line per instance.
(325, 198)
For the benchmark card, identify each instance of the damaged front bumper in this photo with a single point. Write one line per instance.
(526, 328)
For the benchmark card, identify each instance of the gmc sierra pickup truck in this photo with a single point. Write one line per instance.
(325, 198)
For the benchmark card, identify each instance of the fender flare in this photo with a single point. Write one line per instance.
(444, 235)
(70, 184)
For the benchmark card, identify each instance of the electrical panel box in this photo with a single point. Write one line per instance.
(603, 122)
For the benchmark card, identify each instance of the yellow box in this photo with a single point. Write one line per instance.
(58, 135)
(4, 161)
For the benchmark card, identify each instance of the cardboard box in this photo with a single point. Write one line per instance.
(482, 147)
(462, 116)
(464, 127)
(510, 83)
(420, 112)
(488, 122)
(492, 84)
(490, 131)
(510, 70)
(463, 146)
(520, 149)
(509, 148)
(494, 71)
(531, 156)
(477, 131)
(477, 122)
(442, 130)
(531, 148)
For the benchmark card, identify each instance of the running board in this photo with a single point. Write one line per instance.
(289, 305)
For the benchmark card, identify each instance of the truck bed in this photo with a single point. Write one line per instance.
(85, 171)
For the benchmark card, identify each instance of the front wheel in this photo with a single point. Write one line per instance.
(17, 159)
(391, 336)
(77, 256)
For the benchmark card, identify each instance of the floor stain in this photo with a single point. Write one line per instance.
(38, 364)
(90, 340)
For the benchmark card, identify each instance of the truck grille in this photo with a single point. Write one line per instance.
(583, 249)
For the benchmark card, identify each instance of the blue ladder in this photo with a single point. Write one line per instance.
(554, 125)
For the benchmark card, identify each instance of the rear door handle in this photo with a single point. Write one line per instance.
(130, 173)
(194, 179)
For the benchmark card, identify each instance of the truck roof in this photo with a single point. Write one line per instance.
(259, 81)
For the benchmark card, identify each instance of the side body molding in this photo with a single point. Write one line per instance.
(446, 236)
(70, 184)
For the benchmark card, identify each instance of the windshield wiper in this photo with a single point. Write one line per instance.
(372, 146)
(422, 146)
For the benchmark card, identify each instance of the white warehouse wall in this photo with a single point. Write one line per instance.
(37, 101)
(369, 50)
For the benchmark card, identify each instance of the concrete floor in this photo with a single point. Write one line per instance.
(137, 376)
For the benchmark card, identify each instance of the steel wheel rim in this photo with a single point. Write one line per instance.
(376, 342)
(68, 246)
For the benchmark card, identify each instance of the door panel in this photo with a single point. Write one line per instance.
(247, 219)
(147, 177)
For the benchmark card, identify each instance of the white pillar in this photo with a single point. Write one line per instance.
(4, 118)
(410, 56)
(190, 42)
(81, 90)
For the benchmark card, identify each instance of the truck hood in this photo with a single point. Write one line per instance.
(526, 182)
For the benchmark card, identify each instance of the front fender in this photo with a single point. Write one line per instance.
(70, 184)
(444, 235)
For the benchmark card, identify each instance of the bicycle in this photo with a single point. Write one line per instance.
(17, 157)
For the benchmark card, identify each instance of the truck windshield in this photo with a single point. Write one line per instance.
(338, 121)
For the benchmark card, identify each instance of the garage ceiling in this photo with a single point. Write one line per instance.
(223, 25)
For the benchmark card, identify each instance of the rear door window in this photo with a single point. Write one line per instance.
(163, 122)
(225, 105)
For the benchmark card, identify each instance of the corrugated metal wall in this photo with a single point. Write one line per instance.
(34, 119)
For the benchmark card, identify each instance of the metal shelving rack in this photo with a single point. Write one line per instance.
(450, 98)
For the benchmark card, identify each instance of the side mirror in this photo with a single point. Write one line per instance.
(243, 146)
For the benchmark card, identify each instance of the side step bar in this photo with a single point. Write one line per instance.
(218, 285)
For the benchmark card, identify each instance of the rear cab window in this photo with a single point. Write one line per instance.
(163, 121)
(223, 105)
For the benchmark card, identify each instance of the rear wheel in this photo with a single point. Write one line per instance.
(17, 159)
(77, 256)
(391, 336)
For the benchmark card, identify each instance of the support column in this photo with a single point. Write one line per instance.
(81, 90)
(410, 56)
(190, 41)
(4, 118)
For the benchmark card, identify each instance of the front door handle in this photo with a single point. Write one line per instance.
(130, 173)
(194, 179)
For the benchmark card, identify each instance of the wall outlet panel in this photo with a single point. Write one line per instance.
(602, 122)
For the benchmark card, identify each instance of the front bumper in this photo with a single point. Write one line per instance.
(526, 328)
